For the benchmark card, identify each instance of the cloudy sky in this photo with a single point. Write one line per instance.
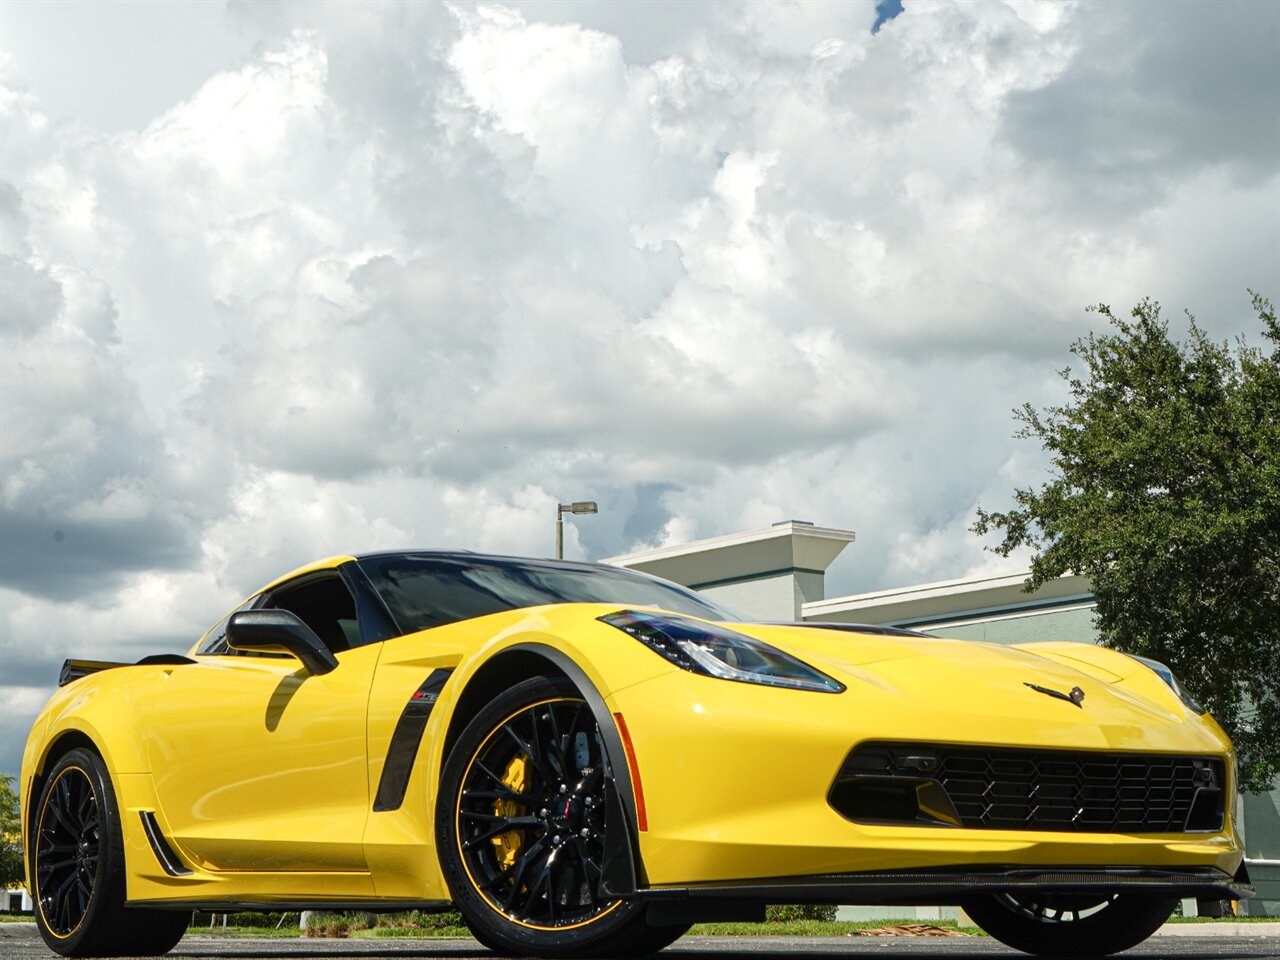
(288, 279)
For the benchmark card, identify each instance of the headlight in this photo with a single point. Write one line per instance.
(1165, 674)
(716, 651)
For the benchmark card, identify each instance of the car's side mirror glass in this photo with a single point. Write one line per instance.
(273, 631)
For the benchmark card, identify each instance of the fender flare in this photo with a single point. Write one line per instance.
(622, 870)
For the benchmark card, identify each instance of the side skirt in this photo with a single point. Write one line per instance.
(746, 900)
(293, 906)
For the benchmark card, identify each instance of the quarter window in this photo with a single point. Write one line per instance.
(214, 642)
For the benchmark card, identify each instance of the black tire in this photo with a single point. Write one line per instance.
(520, 825)
(78, 870)
(1070, 925)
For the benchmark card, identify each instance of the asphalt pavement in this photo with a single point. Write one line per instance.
(21, 942)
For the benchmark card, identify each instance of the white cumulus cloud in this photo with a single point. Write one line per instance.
(409, 274)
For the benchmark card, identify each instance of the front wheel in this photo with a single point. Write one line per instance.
(522, 826)
(1070, 925)
(78, 869)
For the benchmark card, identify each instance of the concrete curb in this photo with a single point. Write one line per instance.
(1224, 929)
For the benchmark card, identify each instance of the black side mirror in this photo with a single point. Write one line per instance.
(270, 631)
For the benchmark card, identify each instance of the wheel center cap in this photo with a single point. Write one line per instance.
(564, 812)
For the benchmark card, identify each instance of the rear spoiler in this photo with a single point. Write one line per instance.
(73, 670)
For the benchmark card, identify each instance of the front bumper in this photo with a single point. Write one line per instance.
(736, 781)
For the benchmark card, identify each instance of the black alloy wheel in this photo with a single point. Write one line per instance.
(68, 840)
(78, 869)
(1050, 908)
(531, 817)
(1070, 925)
(523, 829)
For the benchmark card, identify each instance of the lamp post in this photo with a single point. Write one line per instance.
(578, 507)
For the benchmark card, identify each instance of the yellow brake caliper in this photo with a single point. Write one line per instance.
(507, 845)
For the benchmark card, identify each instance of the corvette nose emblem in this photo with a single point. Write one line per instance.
(1076, 695)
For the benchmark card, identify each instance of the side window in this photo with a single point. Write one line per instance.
(325, 605)
(214, 642)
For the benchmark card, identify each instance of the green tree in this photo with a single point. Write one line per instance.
(10, 835)
(1165, 491)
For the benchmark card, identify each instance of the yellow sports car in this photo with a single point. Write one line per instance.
(585, 760)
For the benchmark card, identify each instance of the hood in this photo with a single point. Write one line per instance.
(965, 676)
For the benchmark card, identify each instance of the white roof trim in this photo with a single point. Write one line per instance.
(948, 599)
(918, 591)
(787, 528)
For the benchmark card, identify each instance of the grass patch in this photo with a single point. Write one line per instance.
(398, 926)
(1224, 920)
(393, 930)
(17, 918)
(413, 933)
(814, 928)
(334, 926)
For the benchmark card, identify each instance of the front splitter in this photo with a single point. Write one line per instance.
(951, 885)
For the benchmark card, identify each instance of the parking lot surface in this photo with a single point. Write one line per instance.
(26, 945)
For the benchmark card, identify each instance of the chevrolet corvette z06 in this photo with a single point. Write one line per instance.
(584, 760)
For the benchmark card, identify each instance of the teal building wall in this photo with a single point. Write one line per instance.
(1052, 624)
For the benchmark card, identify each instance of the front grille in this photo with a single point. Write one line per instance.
(1008, 789)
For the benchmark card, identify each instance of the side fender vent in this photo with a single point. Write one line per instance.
(170, 862)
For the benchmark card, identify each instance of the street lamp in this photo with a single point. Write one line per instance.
(578, 507)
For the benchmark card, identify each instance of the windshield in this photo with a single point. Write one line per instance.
(429, 591)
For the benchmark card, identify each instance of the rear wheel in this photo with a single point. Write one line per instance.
(522, 828)
(1070, 925)
(78, 869)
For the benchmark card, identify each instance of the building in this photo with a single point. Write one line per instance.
(778, 573)
(773, 574)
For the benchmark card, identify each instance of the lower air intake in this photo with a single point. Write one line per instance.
(1011, 789)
